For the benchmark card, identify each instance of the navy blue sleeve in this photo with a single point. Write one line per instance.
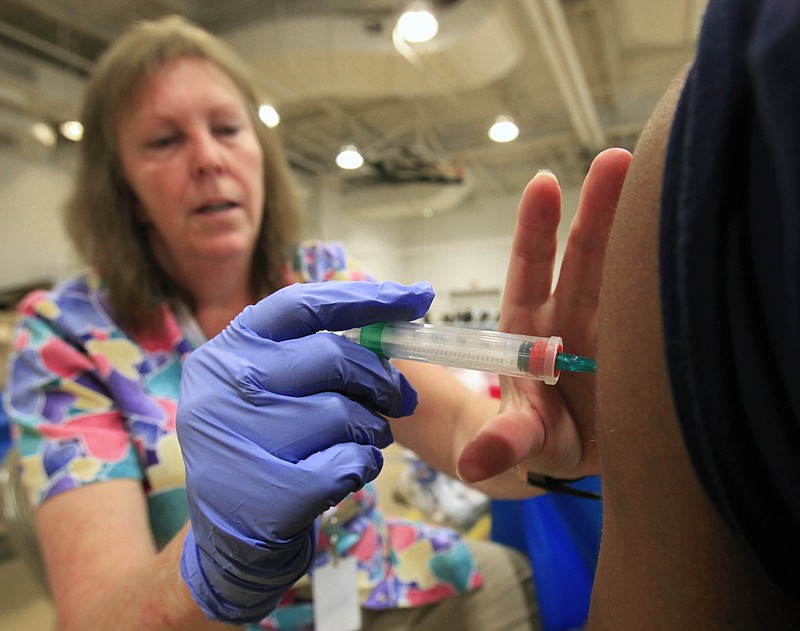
(730, 273)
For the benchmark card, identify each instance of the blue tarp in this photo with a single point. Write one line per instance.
(561, 537)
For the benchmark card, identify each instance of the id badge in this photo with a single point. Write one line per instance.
(335, 596)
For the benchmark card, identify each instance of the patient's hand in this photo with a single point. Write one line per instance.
(550, 429)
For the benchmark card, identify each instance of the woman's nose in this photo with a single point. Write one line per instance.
(206, 154)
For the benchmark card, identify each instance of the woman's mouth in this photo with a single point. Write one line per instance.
(216, 207)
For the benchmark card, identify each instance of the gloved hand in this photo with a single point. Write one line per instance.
(277, 425)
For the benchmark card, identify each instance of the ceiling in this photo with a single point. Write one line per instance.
(576, 75)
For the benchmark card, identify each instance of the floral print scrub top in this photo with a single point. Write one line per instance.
(91, 403)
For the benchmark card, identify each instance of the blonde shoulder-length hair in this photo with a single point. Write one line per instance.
(101, 212)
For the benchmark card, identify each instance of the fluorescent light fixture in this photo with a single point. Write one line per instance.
(269, 115)
(71, 130)
(504, 129)
(417, 24)
(349, 157)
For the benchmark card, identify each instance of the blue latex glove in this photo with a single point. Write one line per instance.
(277, 425)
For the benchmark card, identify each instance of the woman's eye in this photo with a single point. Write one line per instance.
(163, 141)
(227, 130)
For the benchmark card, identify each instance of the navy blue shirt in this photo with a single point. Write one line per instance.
(730, 273)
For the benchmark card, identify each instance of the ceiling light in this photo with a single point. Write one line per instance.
(349, 157)
(71, 130)
(269, 115)
(44, 134)
(417, 24)
(504, 129)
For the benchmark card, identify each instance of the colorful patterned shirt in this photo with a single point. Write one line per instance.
(90, 402)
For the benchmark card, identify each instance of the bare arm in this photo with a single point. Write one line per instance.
(667, 560)
(103, 567)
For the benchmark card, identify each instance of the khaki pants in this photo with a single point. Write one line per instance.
(505, 602)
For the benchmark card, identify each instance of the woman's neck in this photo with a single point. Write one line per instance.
(217, 299)
(212, 319)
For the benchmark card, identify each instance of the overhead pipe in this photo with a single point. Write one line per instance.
(54, 52)
(559, 20)
(562, 58)
(429, 74)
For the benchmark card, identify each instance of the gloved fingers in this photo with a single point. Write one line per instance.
(285, 500)
(250, 417)
(254, 528)
(301, 309)
(293, 428)
(326, 362)
(323, 480)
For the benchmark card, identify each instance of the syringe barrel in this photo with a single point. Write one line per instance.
(491, 351)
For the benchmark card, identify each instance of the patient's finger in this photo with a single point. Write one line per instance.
(581, 268)
(530, 270)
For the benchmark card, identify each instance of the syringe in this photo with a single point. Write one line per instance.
(502, 353)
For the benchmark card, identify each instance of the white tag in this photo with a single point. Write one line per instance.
(335, 591)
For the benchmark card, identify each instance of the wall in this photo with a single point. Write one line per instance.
(33, 245)
(464, 253)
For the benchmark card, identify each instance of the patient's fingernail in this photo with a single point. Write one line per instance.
(521, 472)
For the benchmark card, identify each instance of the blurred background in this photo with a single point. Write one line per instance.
(435, 197)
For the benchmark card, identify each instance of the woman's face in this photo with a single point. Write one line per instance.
(189, 152)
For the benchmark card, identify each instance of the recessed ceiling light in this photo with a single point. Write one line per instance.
(269, 115)
(44, 133)
(418, 24)
(71, 130)
(504, 129)
(349, 157)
